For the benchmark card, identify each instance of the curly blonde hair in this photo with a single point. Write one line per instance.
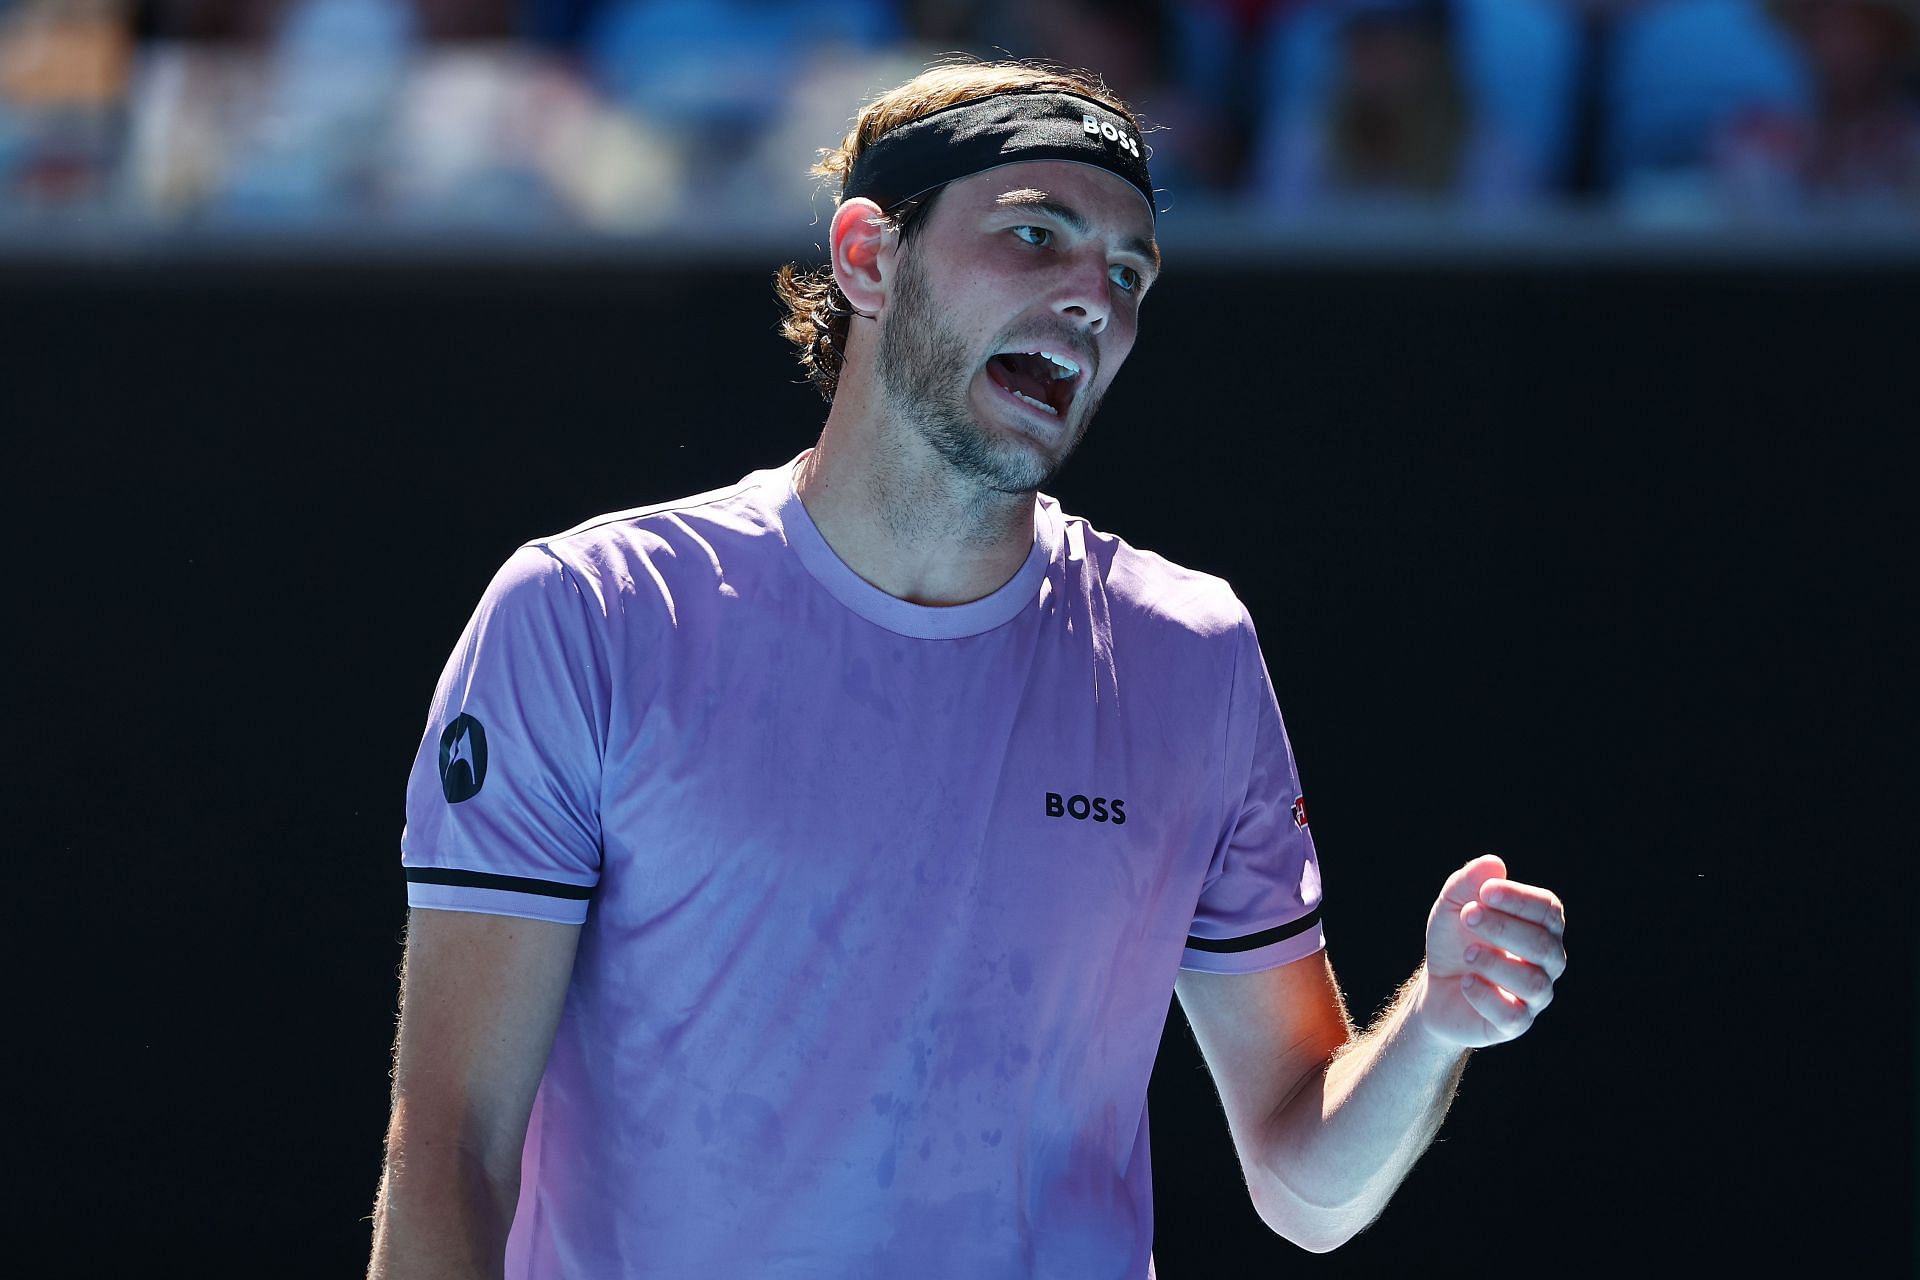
(817, 312)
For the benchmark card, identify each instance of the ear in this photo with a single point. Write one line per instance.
(863, 251)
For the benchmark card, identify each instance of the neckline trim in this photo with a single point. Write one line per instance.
(925, 622)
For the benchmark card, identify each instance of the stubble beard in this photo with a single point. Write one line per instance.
(924, 374)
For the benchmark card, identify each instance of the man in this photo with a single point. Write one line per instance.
(799, 870)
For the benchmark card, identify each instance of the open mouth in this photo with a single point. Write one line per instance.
(1044, 380)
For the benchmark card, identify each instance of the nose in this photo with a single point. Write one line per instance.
(1086, 295)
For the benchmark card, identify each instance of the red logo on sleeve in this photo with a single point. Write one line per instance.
(1300, 812)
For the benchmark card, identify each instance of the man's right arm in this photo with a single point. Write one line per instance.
(480, 999)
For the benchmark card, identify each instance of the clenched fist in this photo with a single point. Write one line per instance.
(1495, 947)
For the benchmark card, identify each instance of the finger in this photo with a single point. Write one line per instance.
(1505, 1012)
(1463, 886)
(1530, 902)
(1527, 981)
(1532, 942)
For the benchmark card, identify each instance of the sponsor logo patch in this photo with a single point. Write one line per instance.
(1300, 812)
(463, 759)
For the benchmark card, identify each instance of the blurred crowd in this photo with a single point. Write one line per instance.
(627, 115)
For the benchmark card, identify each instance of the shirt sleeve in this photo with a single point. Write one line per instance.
(1260, 905)
(503, 812)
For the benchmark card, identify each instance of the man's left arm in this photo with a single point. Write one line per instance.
(1327, 1123)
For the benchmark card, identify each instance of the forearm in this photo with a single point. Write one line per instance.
(441, 1213)
(1333, 1154)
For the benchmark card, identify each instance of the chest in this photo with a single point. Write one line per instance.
(1036, 777)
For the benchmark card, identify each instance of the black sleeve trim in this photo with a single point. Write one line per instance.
(1266, 937)
(487, 880)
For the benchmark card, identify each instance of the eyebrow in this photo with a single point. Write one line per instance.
(1075, 221)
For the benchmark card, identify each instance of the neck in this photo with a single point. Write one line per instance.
(899, 514)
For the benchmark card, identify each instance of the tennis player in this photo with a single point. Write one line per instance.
(799, 871)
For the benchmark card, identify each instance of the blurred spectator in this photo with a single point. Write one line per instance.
(1134, 45)
(1218, 60)
(717, 73)
(348, 120)
(1680, 69)
(619, 114)
(64, 73)
(492, 135)
(1856, 150)
(337, 72)
(1406, 104)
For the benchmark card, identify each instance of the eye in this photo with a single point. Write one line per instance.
(1124, 276)
(1040, 237)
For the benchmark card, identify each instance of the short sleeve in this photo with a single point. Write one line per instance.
(503, 800)
(1260, 906)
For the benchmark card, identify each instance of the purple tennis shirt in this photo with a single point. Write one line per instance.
(881, 904)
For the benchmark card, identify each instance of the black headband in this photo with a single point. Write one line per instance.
(970, 137)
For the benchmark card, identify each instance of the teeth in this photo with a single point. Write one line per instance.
(1067, 367)
(1039, 403)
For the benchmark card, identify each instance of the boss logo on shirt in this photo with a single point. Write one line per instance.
(1099, 808)
(463, 759)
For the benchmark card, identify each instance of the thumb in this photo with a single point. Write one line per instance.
(1463, 886)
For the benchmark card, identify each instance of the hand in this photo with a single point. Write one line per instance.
(1495, 948)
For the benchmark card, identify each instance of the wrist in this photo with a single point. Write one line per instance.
(1424, 1027)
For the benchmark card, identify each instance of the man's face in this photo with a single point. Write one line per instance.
(1037, 257)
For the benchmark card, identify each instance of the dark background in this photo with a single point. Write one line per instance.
(1588, 563)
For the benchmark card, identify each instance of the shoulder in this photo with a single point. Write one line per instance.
(644, 549)
(1146, 587)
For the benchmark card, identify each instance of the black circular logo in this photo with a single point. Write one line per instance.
(463, 759)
